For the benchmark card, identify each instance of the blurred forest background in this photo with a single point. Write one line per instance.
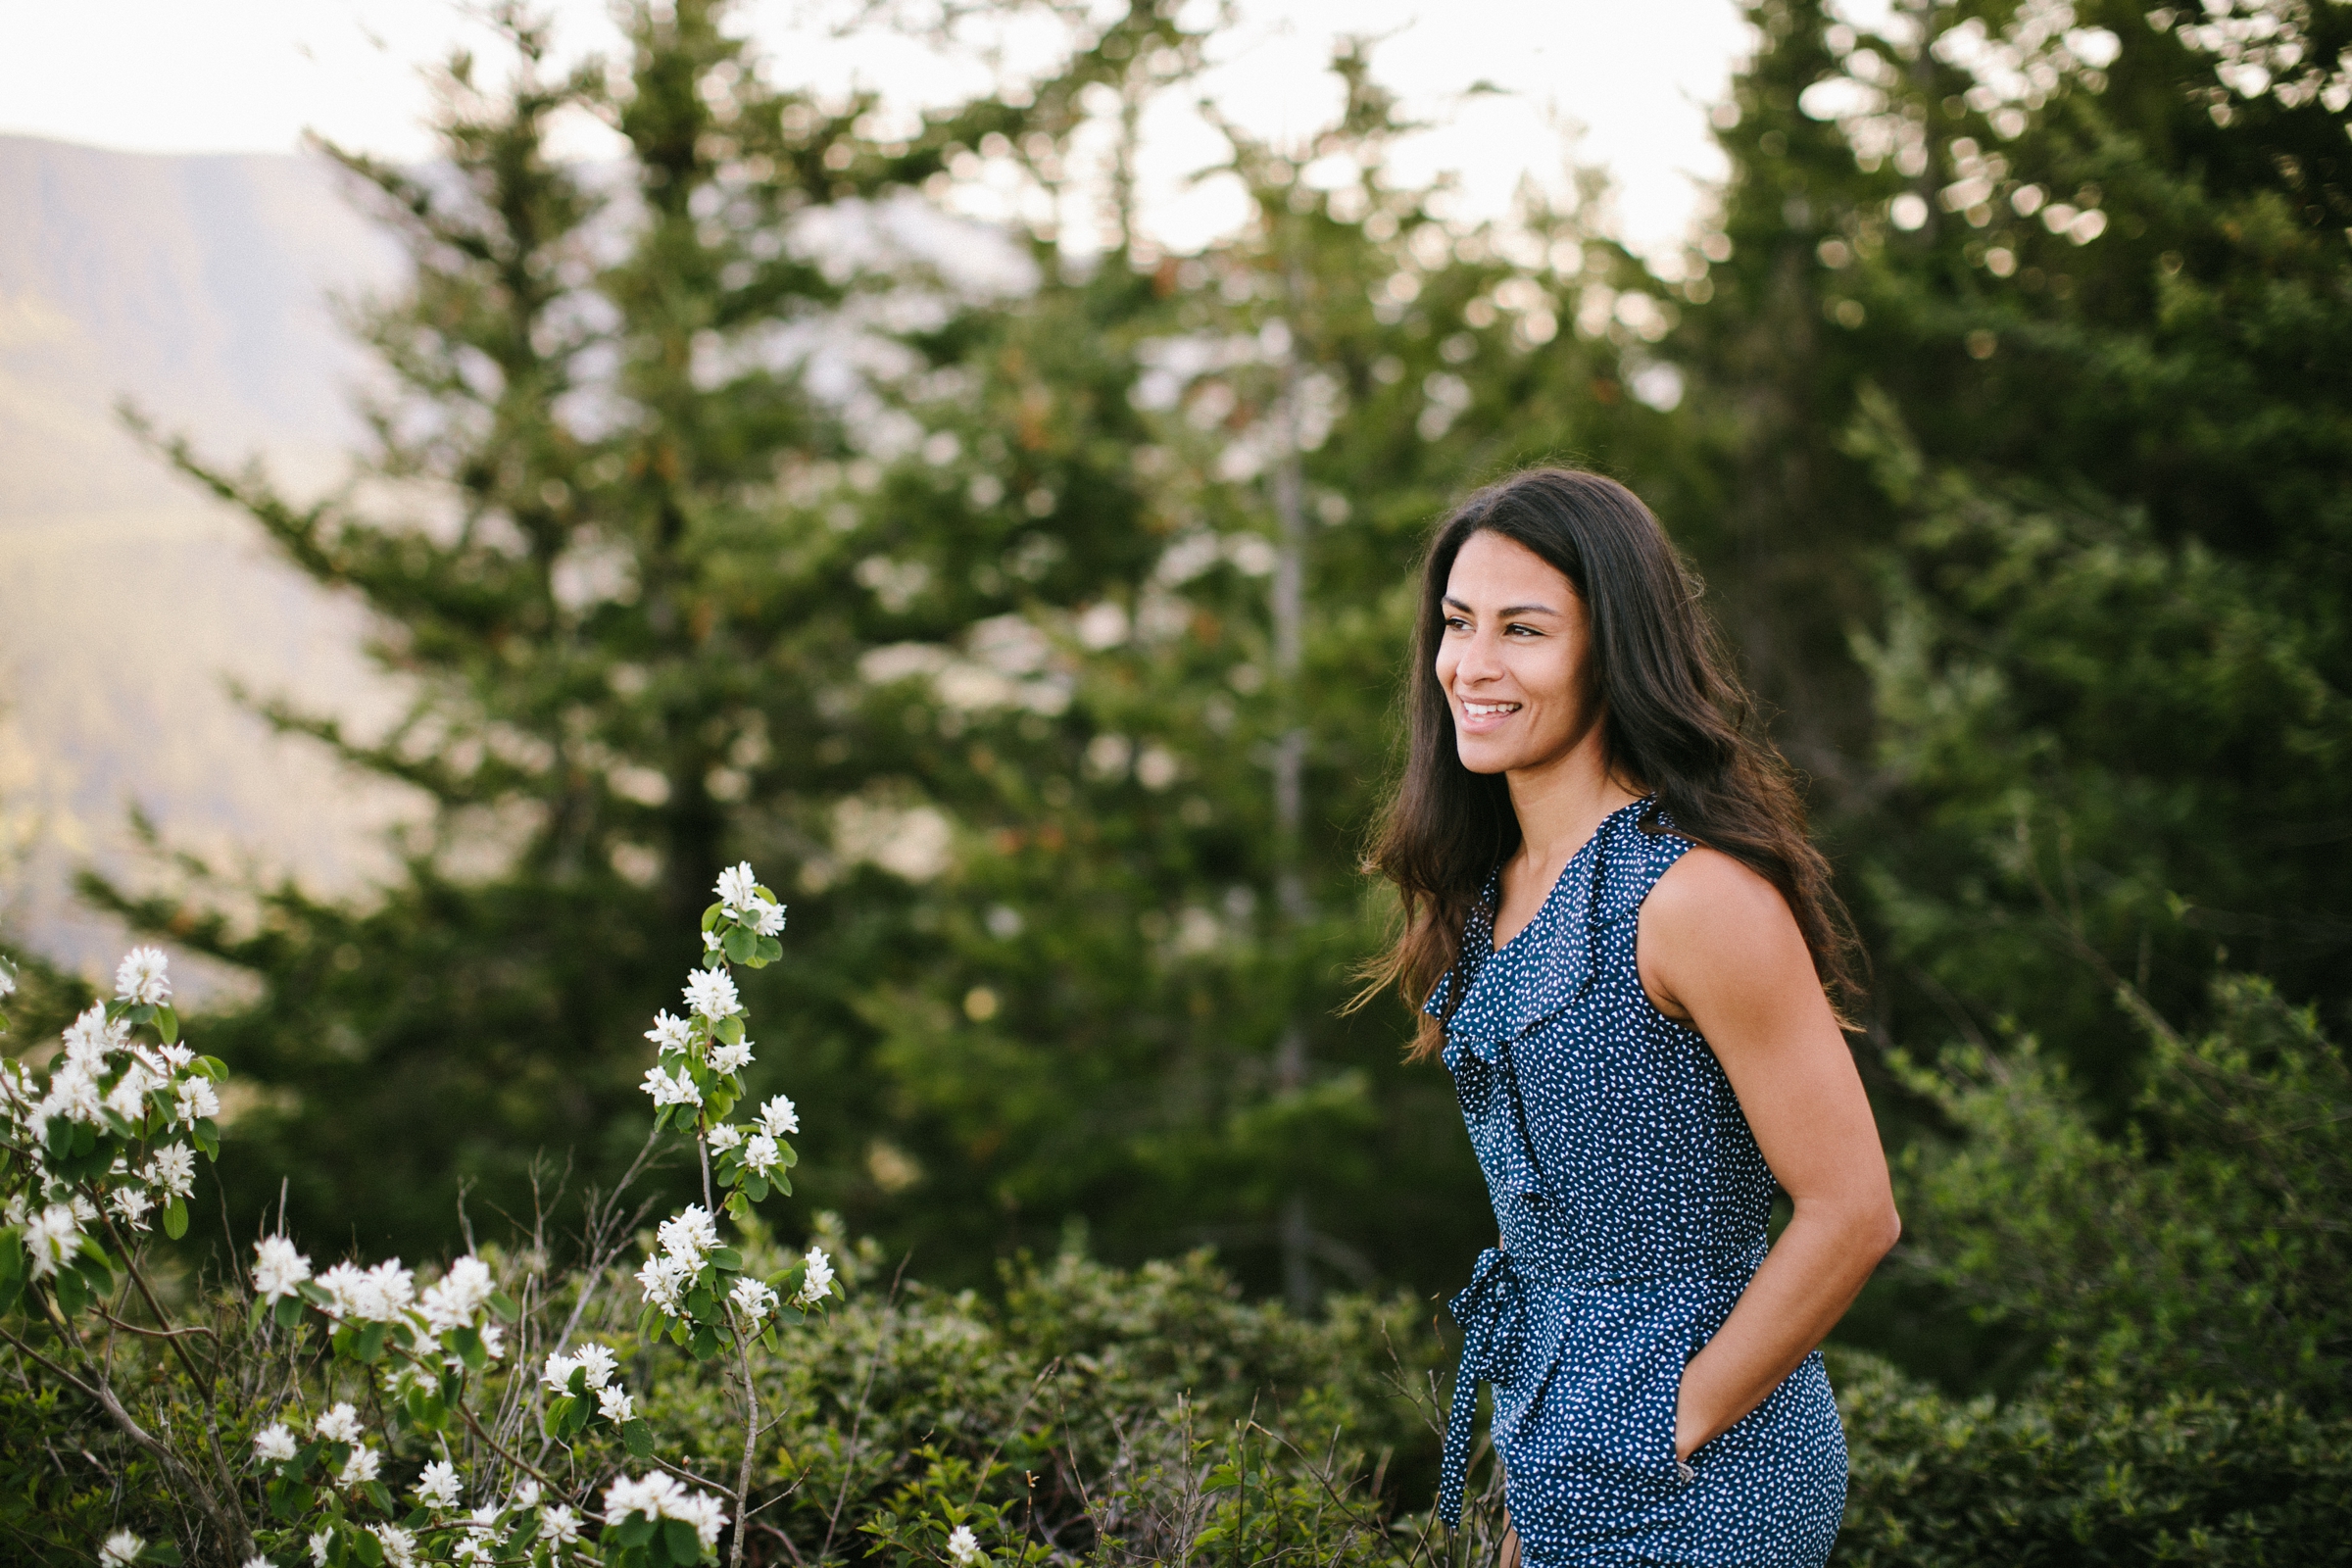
(1034, 626)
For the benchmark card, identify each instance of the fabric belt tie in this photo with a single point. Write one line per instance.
(1491, 1317)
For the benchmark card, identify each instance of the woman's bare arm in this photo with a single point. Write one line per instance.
(1719, 951)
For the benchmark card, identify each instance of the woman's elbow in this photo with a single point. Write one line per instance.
(1886, 1228)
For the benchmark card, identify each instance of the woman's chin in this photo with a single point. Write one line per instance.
(1481, 756)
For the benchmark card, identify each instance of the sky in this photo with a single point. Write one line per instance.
(251, 76)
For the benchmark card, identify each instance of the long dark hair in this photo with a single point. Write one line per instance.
(1679, 724)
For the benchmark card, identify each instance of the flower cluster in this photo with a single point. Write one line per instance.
(584, 1389)
(635, 1509)
(373, 1309)
(98, 1141)
(338, 1462)
(691, 1283)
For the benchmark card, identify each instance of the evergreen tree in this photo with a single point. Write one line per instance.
(2087, 267)
(592, 535)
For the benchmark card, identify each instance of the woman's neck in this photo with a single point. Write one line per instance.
(1561, 804)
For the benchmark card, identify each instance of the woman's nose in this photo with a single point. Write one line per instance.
(1478, 661)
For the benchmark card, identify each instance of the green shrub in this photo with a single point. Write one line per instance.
(2080, 1474)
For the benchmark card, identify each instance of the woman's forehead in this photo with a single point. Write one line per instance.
(1491, 570)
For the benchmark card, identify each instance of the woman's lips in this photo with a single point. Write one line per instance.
(1477, 715)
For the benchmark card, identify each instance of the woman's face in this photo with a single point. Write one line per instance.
(1516, 658)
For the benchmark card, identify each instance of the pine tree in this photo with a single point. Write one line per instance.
(2028, 359)
(592, 535)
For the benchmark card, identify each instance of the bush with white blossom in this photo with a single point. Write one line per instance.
(521, 1465)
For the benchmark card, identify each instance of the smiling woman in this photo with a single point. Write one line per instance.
(1622, 946)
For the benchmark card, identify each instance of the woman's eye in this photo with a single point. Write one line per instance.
(1516, 630)
(1456, 623)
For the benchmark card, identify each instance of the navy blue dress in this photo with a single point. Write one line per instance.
(1633, 1204)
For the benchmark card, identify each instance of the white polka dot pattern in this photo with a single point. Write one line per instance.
(1633, 1204)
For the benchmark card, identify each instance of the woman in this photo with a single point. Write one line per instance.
(1620, 940)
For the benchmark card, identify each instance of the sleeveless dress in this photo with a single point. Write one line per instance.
(1633, 1204)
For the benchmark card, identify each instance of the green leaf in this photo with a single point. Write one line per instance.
(468, 1343)
(503, 1304)
(636, 1530)
(639, 1437)
(770, 949)
(167, 1025)
(288, 1310)
(369, 1347)
(212, 1067)
(741, 945)
(755, 1187)
(678, 1538)
(559, 1411)
(729, 1031)
(707, 1343)
(737, 1204)
(176, 1222)
(726, 1259)
(366, 1547)
(380, 1494)
(61, 1136)
(713, 915)
(162, 1551)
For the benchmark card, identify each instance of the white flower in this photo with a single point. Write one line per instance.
(439, 1487)
(362, 1466)
(257, 1560)
(340, 1424)
(558, 1373)
(196, 1102)
(766, 918)
(817, 1283)
(52, 1236)
(277, 1268)
(372, 1296)
(701, 1510)
(274, 1444)
(320, 1543)
(486, 1516)
(752, 1298)
(762, 1154)
(128, 1098)
(645, 1496)
(963, 1547)
(599, 1363)
(131, 1204)
(90, 1039)
(780, 1116)
(558, 1525)
(527, 1495)
(670, 1091)
(173, 1169)
(73, 1094)
(122, 1548)
(723, 1137)
(458, 1295)
(711, 942)
(177, 1056)
(737, 888)
(712, 993)
(473, 1548)
(400, 1548)
(662, 1278)
(8, 978)
(731, 1058)
(612, 1404)
(492, 1341)
(688, 1234)
(143, 976)
(670, 1034)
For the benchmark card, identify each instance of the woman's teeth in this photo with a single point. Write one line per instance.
(1487, 709)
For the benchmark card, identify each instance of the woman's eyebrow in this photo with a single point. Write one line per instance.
(1507, 609)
